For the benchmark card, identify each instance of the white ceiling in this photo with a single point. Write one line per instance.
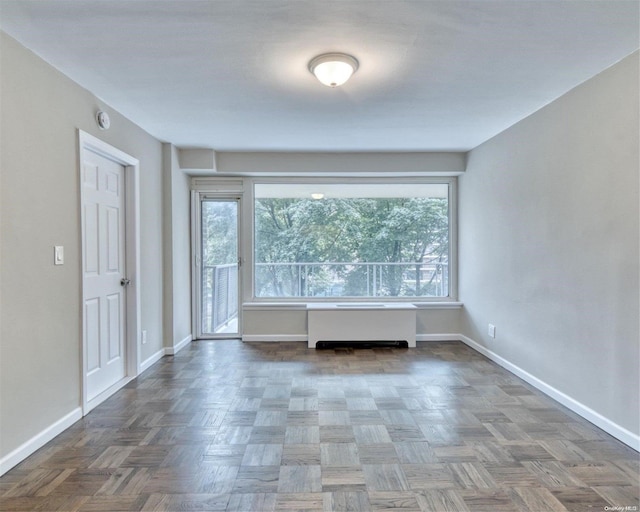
(232, 74)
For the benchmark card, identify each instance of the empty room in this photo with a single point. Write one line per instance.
(320, 255)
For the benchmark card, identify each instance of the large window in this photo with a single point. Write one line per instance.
(365, 240)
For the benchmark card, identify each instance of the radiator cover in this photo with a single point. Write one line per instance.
(367, 322)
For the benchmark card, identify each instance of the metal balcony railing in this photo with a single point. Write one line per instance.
(330, 279)
(219, 297)
(429, 278)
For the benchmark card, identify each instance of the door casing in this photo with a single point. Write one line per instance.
(196, 237)
(87, 142)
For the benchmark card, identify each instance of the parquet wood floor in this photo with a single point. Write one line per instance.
(259, 427)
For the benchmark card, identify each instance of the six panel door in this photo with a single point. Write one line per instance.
(104, 260)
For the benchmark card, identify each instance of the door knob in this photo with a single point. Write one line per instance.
(124, 281)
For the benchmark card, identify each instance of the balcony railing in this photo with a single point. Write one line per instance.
(219, 297)
(336, 279)
(331, 279)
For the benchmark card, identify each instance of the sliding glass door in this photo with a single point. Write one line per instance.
(218, 280)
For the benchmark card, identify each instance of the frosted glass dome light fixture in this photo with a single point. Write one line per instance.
(333, 69)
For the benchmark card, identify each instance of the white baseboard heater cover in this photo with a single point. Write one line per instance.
(362, 322)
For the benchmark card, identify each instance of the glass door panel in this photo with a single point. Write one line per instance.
(219, 283)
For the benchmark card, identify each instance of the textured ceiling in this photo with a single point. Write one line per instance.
(232, 75)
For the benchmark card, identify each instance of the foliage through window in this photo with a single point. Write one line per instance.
(353, 240)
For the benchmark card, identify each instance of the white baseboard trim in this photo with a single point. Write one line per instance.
(437, 337)
(147, 363)
(39, 440)
(166, 351)
(274, 337)
(106, 394)
(171, 351)
(620, 433)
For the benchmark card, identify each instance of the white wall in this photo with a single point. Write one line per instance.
(548, 244)
(177, 249)
(40, 338)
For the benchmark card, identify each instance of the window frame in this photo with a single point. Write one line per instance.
(248, 237)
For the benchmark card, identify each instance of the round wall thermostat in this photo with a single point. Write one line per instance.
(103, 120)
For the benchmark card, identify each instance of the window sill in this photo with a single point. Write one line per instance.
(302, 306)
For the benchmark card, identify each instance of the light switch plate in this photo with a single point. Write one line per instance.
(58, 255)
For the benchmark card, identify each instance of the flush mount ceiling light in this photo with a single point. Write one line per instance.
(333, 69)
(317, 195)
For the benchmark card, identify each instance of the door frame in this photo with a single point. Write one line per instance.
(196, 264)
(132, 264)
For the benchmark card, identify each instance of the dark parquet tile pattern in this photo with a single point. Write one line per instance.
(260, 427)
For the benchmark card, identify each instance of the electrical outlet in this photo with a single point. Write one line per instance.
(144, 337)
(492, 330)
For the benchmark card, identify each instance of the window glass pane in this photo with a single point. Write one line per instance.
(351, 240)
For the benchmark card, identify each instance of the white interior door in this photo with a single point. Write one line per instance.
(105, 277)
